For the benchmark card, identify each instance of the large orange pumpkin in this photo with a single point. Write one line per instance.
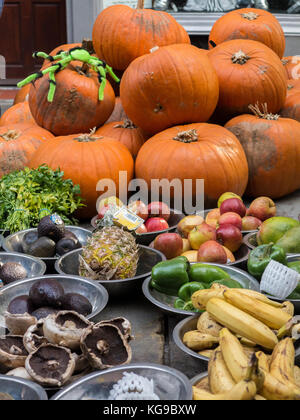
(195, 151)
(18, 143)
(255, 24)
(22, 94)
(17, 114)
(86, 159)
(292, 66)
(291, 107)
(118, 112)
(249, 72)
(172, 85)
(272, 147)
(121, 34)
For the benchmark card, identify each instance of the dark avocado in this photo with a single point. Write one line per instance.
(77, 303)
(52, 226)
(46, 292)
(66, 245)
(71, 235)
(20, 305)
(43, 248)
(28, 239)
(11, 271)
(42, 313)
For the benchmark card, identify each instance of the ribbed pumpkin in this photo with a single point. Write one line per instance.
(291, 107)
(121, 34)
(86, 159)
(126, 133)
(249, 72)
(272, 147)
(292, 66)
(254, 24)
(172, 85)
(18, 143)
(118, 112)
(22, 94)
(17, 114)
(76, 107)
(196, 151)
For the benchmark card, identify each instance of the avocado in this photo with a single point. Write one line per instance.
(71, 235)
(28, 239)
(77, 303)
(43, 248)
(20, 305)
(66, 245)
(52, 226)
(46, 292)
(42, 313)
(11, 271)
(290, 241)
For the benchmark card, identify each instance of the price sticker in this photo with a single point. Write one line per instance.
(127, 219)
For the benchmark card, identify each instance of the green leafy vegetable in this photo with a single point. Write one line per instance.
(27, 196)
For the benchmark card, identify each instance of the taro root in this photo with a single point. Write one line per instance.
(105, 346)
(34, 337)
(65, 329)
(12, 352)
(123, 324)
(51, 365)
(18, 324)
(20, 372)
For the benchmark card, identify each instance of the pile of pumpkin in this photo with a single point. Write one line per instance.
(229, 115)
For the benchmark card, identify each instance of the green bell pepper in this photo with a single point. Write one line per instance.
(188, 289)
(185, 306)
(206, 274)
(169, 276)
(231, 283)
(261, 256)
(296, 267)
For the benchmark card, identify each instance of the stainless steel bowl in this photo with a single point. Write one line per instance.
(93, 291)
(22, 390)
(251, 242)
(69, 264)
(244, 232)
(147, 238)
(166, 303)
(1, 240)
(169, 384)
(13, 243)
(241, 257)
(35, 267)
(196, 379)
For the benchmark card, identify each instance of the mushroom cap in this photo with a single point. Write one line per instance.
(123, 324)
(18, 324)
(12, 352)
(34, 337)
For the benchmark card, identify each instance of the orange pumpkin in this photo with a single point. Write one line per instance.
(18, 143)
(22, 94)
(118, 112)
(291, 107)
(254, 24)
(126, 133)
(292, 66)
(272, 147)
(86, 159)
(249, 73)
(172, 85)
(121, 34)
(17, 114)
(195, 151)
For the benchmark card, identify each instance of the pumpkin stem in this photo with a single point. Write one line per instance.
(250, 16)
(240, 58)
(87, 44)
(10, 135)
(264, 112)
(285, 61)
(126, 123)
(140, 4)
(87, 138)
(189, 136)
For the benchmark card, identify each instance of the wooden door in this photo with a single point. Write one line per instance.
(27, 26)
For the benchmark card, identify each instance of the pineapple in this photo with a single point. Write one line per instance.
(110, 254)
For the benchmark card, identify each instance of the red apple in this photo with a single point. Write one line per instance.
(170, 244)
(102, 211)
(201, 234)
(142, 229)
(262, 208)
(139, 208)
(156, 224)
(231, 219)
(159, 209)
(213, 217)
(251, 223)
(233, 205)
(212, 252)
(226, 196)
(230, 236)
(188, 223)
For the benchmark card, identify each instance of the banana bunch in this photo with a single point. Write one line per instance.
(237, 375)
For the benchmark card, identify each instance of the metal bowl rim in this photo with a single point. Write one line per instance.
(252, 247)
(28, 257)
(31, 230)
(94, 284)
(57, 268)
(30, 384)
(161, 368)
(198, 378)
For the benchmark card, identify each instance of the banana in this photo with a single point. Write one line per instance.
(260, 297)
(287, 329)
(289, 308)
(195, 340)
(206, 353)
(273, 389)
(220, 379)
(297, 375)
(200, 298)
(259, 398)
(246, 343)
(283, 361)
(274, 318)
(203, 384)
(207, 325)
(243, 391)
(233, 353)
(241, 323)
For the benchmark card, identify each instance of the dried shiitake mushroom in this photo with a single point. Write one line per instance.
(105, 346)
(65, 329)
(34, 337)
(51, 365)
(18, 324)
(12, 352)
(123, 324)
